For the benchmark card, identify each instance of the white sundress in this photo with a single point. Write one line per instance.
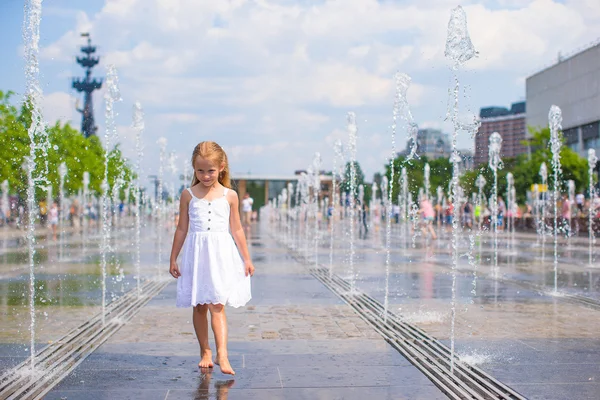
(212, 271)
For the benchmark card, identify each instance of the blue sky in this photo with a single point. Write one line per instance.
(272, 81)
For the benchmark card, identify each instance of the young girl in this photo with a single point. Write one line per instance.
(212, 273)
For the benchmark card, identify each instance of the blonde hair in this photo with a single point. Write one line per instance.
(215, 153)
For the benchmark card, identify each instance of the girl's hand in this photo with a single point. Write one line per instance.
(174, 270)
(249, 268)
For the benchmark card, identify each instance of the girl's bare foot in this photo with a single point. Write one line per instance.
(206, 361)
(223, 363)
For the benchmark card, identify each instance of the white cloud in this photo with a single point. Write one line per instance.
(275, 79)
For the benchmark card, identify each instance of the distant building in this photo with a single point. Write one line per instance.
(431, 143)
(573, 84)
(510, 124)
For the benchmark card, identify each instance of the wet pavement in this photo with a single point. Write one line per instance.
(296, 340)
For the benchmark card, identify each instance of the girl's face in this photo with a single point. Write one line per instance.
(207, 171)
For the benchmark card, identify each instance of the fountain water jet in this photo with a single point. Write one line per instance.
(571, 192)
(111, 96)
(138, 125)
(339, 154)
(162, 143)
(316, 183)
(5, 206)
(352, 133)
(544, 175)
(459, 49)
(555, 121)
(426, 175)
(39, 144)
(495, 163)
(404, 195)
(510, 182)
(62, 172)
(592, 160)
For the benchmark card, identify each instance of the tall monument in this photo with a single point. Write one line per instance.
(87, 85)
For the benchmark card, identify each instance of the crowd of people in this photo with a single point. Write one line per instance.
(431, 216)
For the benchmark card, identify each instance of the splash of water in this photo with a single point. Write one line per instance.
(39, 145)
(459, 49)
(402, 109)
(352, 133)
(555, 121)
(138, 125)
(592, 160)
(425, 317)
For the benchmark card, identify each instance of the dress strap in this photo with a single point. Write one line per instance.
(225, 192)
(190, 190)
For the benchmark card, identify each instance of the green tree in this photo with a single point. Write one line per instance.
(15, 144)
(67, 145)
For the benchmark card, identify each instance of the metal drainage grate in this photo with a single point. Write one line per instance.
(58, 359)
(425, 352)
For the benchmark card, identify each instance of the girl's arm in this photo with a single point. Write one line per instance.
(180, 232)
(237, 231)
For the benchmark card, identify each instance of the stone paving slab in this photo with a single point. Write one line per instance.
(294, 340)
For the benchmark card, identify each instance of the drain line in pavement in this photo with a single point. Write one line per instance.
(426, 353)
(57, 360)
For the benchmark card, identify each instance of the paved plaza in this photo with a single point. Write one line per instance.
(297, 340)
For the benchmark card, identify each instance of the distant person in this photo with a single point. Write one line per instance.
(215, 265)
(247, 203)
(53, 219)
(449, 214)
(362, 217)
(74, 214)
(428, 213)
(467, 217)
(579, 200)
(396, 212)
(43, 212)
(501, 213)
(477, 213)
(528, 211)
